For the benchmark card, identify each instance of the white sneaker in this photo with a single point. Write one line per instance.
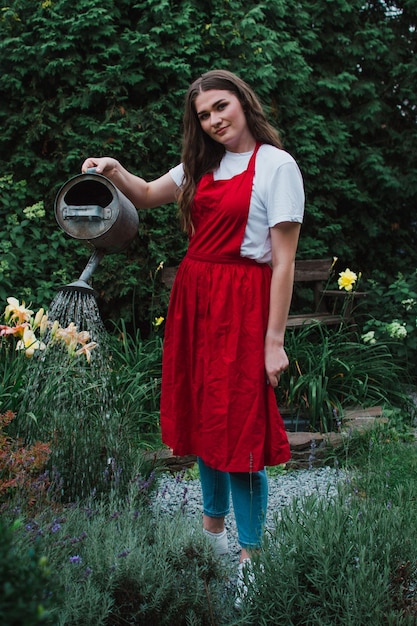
(218, 541)
(245, 577)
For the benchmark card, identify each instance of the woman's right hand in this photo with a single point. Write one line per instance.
(103, 165)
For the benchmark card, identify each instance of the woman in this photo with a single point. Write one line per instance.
(241, 201)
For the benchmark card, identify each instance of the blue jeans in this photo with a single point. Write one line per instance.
(249, 496)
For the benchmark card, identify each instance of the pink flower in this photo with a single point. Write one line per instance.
(13, 330)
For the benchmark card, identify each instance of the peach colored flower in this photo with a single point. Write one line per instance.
(86, 350)
(16, 311)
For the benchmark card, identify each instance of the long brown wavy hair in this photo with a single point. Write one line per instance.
(201, 154)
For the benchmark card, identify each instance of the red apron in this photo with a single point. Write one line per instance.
(215, 401)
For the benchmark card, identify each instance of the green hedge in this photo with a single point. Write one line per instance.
(94, 78)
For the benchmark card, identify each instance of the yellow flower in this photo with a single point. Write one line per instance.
(54, 329)
(158, 321)
(16, 311)
(29, 343)
(38, 319)
(43, 325)
(72, 338)
(347, 279)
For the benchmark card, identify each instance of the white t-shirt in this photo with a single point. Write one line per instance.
(277, 195)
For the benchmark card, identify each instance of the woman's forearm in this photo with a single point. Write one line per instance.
(279, 304)
(143, 194)
(284, 240)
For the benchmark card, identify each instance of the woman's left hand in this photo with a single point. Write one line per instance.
(276, 362)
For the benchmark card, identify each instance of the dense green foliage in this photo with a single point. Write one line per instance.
(92, 78)
(29, 253)
(332, 369)
(392, 316)
(24, 575)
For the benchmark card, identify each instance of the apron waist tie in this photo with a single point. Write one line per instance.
(210, 258)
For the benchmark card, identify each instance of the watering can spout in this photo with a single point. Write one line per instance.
(82, 283)
(79, 285)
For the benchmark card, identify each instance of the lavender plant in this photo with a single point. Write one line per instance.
(121, 563)
(346, 560)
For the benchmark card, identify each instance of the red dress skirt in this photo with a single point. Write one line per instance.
(215, 400)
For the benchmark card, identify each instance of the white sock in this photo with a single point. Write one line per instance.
(218, 540)
(215, 535)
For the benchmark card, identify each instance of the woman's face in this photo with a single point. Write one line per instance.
(222, 118)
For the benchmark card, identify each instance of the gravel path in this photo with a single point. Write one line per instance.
(175, 493)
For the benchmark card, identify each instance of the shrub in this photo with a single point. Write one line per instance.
(392, 316)
(24, 579)
(121, 563)
(69, 403)
(331, 369)
(346, 560)
(23, 479)
(98, 415)
(107, 77)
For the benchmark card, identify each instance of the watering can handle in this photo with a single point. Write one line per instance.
(86, 213)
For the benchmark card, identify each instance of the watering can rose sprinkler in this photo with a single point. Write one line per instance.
(90, 208)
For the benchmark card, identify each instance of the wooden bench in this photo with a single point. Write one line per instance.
(314, 273)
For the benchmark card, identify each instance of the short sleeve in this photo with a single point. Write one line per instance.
(177, 174)
(285, 197)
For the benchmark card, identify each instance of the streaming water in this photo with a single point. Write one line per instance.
(79, 307)
(69, 402)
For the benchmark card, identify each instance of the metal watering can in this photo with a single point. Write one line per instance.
(90, 208)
